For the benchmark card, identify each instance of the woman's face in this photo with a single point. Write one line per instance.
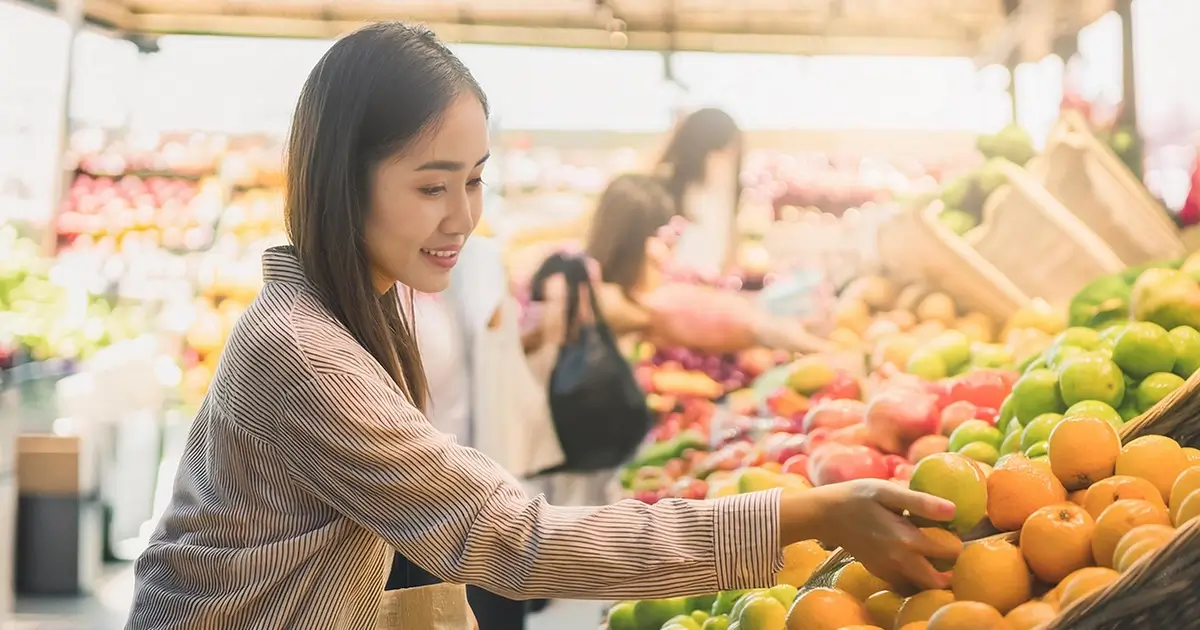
(426, 201)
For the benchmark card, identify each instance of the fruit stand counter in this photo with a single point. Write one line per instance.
(1070, 453)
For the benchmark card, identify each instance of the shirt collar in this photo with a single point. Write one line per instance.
(280, 264)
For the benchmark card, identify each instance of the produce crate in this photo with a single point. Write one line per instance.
(1030, 238)
(914, 248)
(1160, 590)
(1095, 186)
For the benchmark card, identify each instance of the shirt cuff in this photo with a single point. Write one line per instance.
(747, 540)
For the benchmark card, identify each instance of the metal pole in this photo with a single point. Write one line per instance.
(1129, 115)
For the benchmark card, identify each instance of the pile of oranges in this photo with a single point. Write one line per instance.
(1073, 521)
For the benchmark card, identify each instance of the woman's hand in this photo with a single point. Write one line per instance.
(865, 518)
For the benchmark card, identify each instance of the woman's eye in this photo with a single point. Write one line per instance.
(476, 182)
(433, 191)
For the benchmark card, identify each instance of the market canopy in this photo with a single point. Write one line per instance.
(983, 29)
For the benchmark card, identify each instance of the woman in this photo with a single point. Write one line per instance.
(311, 458)
(701, 168)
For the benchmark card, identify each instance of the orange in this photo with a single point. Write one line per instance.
(1017, 487)
(916, 625)
(882, 608)
(992, 571)
(1193, 454)
(967, 616)
(1105, 492)
(1084, 582)
(944, 538)
(1083, 451)
(920, 607)
(861, 627)
(1189, 509)
(856, 580)
(1117, 519)
(1077, 496)
(800, 560)
(826, 609)
(1155, 458)
(1186, 483)
(1030, 615)
(1144, 539)
(1053, 596)
(1057, 540)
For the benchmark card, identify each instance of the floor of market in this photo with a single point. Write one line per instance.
(107, 608)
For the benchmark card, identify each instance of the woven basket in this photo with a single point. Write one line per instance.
(1161, 590)
(1096, 186)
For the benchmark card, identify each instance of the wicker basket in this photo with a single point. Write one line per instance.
(1161, 591)
(914, 247)
(1094, 185)
(1028, 236)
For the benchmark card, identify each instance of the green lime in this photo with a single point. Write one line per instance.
(725, 602)
(1040, 449)
(1038, 429)
(682, 622)
(1011, 443)
(701, 602)
(1078, 336)
(927, 364)
(785, 593)
(953, 346)
(745, 601)
(1143, 349)
(1156, 387)
(981, 452)
(762, 613)
(1031, 363)
(1035, 393)
(1004, 416)
(1095, 409)
(700, 616)
(1057, 355)
(1092, 377)
(956, 478)
(1186, 341)
(654, 613)
(620, 617)
(1129, 409)
(720, 622)
(974, 431)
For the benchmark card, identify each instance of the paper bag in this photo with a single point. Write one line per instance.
(435, 607)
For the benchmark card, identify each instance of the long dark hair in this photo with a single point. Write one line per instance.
(630, 211)
(684, 161)
(373, 93)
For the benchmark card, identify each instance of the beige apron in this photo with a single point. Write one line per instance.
(436, 607)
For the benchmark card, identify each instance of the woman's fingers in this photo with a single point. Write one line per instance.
(554, 311)
(900, 500)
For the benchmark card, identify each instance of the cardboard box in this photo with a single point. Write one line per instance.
(54, 465)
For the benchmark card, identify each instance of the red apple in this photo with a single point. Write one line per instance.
(927, 445)
(675, 468)
(893, 462)
(983, 388)
(898, 416)
(835, 463)
(903, 471)
(788, 448)
(816, 438)
(843, 387)
(834, 414)
(797, 465)
(955, 414)
(648, 496)
(853, 434)
(987, 414)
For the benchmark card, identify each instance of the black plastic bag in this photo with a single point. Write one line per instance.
(599, 411)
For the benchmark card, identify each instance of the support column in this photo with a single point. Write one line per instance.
(1129, 116)
(71, 13)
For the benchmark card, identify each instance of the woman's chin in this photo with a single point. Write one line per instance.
(428, 283)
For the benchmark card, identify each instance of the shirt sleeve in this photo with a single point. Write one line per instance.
(367, 452)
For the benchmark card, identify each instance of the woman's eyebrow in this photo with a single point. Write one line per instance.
(449, 165)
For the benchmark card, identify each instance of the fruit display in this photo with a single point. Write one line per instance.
(964, 197)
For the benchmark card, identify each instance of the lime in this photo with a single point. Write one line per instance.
(953, 346)
(762, 613)
(1035, 393)
(700, 616)
(1057, 355)
(1143, 349)
(1038, 429)
(1186, 341)
(720, 622)
(957, 479)
(745, 601)
(1129, 409)
(927, 364)
(725, 602)
(1041, 449)
(785, 593)
(1095, 409)
(620, 617)
(1004, 416)
(682, 622)
(654, 613)
(1078, 336)
(974, 431)
(1011, 443)
(1156, 387)
(1092, 377)
(701, 602)
(982, 452)
(1112, 331)
(1033, 362)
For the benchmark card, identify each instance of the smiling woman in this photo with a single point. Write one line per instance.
(311, 456)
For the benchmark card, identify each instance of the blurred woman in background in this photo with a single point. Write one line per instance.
(701, 169)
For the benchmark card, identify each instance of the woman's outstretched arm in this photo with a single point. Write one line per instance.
(364, 450)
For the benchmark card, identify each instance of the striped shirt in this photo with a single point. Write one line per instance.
(306, 465)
